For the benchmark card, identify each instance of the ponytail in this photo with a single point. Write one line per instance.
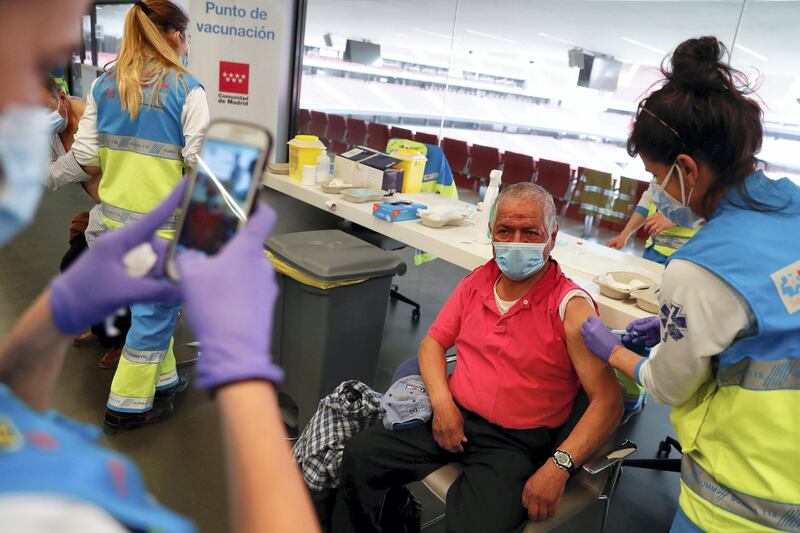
(146, 55)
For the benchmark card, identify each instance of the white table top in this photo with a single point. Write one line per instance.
(580, 260)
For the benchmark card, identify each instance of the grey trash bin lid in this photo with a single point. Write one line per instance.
(333, 255)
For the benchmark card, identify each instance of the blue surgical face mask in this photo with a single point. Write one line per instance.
(520, 260)
(678, 212)
(24, 140)
(57, 122)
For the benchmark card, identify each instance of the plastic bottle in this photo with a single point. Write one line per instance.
(482, 222)
(323, 168)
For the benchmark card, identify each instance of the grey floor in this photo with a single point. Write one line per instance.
(182, 458)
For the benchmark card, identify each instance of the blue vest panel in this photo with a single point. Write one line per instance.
(47, 453)
(758, 254)
(159, 119)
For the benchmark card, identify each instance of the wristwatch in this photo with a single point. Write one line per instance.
(563, 460)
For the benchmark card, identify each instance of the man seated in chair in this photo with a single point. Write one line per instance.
(515, 323)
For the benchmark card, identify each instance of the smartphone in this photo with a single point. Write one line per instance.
(222, 189)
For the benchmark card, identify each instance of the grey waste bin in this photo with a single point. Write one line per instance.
(323, 336)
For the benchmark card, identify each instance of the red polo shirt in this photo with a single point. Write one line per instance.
(513, 370)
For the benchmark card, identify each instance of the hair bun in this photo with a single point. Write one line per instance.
(697, 65)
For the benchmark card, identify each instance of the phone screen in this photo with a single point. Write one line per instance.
(219, 198)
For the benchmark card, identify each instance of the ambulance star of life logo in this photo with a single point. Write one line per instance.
(234, 77)
(673, 321)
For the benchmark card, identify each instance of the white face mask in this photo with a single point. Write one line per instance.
(678, 212)
(24, 140)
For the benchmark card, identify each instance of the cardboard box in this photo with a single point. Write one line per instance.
(378, 172)
(344, 165)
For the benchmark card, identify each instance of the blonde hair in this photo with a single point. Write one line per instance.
(147, 55)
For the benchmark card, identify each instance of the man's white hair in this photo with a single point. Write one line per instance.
(528, 191)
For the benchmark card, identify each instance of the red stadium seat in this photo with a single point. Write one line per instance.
(356, 132)
(457, 154)
(484, 159)
(517, 168)
(319, 124)
(401, 133)
(337, 128)
(555, 177)
(377, 136)
(304, 121)
(427, 138)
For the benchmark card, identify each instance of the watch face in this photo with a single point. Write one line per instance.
(562, 458)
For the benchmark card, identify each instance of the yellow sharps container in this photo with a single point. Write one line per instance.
(303, 150)
(413, 166)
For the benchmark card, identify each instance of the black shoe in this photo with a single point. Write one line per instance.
(170, 393)
(117, 422)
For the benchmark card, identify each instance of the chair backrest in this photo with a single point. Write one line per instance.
(554, 176)
(377, 136)
(337, 127)
(456, 152)
(304, 121)
(596, 192)
(356, 132)
(517, 168)
(483, 160)
(401, 133)
(319, 124)
(427, 138)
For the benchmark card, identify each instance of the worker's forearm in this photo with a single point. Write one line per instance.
(267, 492)
(625, 361)
(32, 355)
(636, 221)
(433, 367)
(594, 428)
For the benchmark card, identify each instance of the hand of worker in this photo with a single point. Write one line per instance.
(448, 427)
(617, 242)
(98, 283)
(229, 300)
(656, 223)
(598, 338)
(645, 331)
(543, 491)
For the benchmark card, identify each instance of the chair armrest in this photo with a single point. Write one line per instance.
(610, 458)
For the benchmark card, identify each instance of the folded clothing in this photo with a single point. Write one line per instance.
(406, 404)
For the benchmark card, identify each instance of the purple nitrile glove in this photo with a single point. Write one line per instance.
(647, 331)
(99, 283)
(229, 300)
(598, 338)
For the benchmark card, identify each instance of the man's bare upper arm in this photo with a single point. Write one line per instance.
(596, 377)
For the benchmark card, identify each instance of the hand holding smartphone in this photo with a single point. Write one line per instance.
(222, 189)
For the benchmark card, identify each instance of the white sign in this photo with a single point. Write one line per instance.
(241, 52)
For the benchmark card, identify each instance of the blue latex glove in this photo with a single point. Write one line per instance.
(229, 300)
(98, 284)
(598, 338)
(645, 331)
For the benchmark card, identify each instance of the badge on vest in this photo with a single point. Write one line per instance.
(10, 438)
(787, 281)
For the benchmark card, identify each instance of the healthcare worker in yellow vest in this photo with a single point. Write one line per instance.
(728, 336)
(143, 126)
(665, 237)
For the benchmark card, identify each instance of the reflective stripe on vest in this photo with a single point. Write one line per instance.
(124, 216)
(140, 146)
(777, 515)
(780, 374)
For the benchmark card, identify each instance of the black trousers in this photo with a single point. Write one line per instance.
(486, 498)
(123, 323)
